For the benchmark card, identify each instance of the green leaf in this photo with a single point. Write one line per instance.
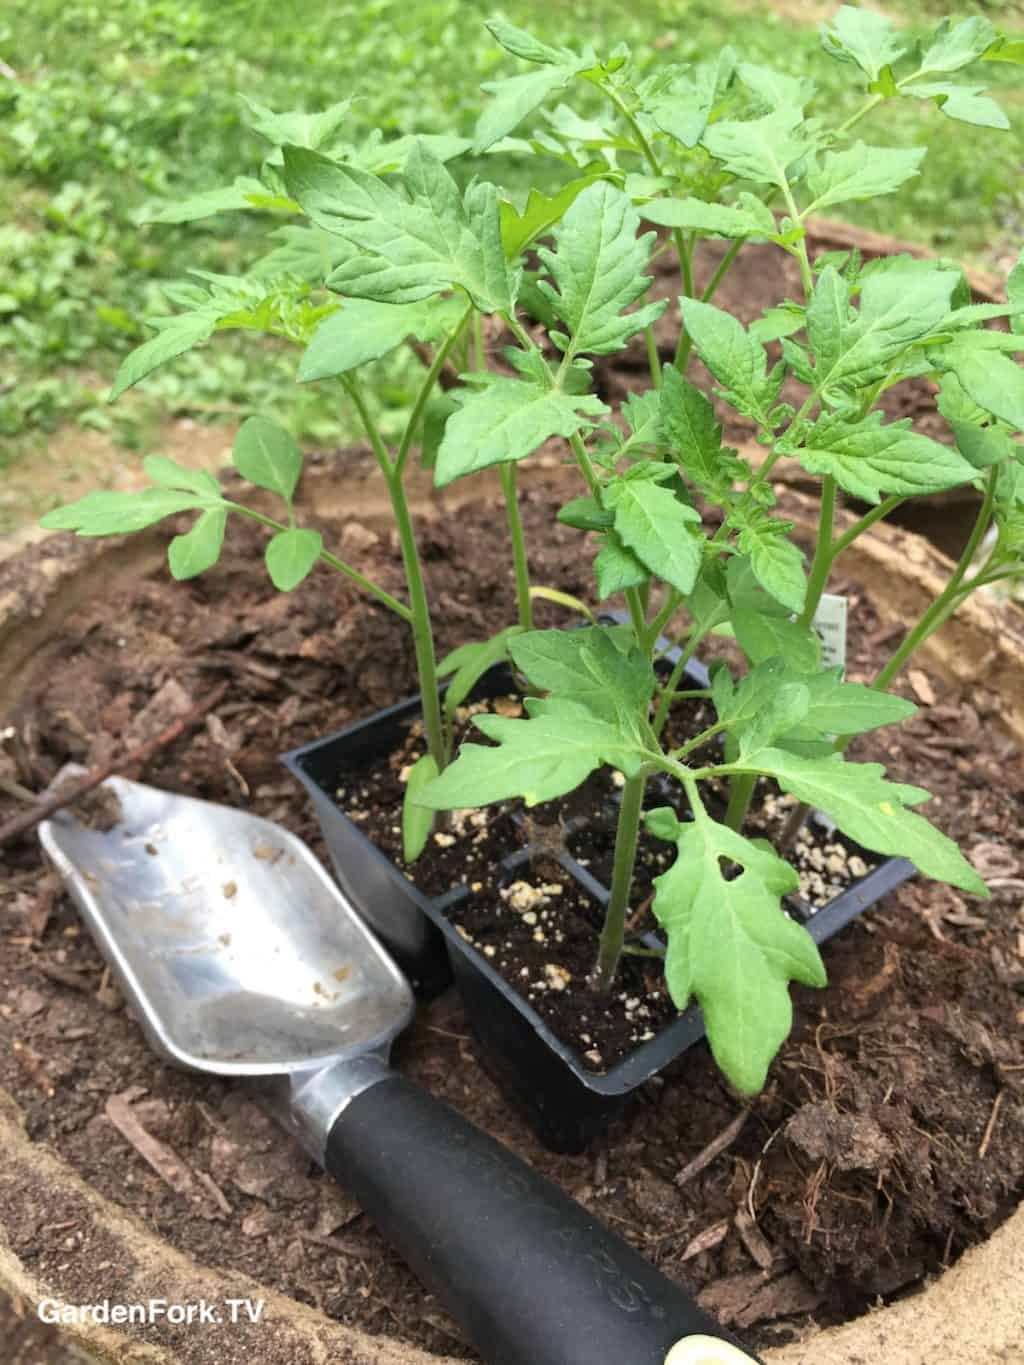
(435, 418)
(777, 563)
(869, 460)
(230, 198)
(538, 759)
(731, 946)
(956, 45)
(267, 456)
(642, 414)
(897, 308)
(993, 381)
(525, 45)
(1006, 50)
(764, 637)
(411, 242)
(777, 323)
(290, 557)
(170, 475)
(305, 253)
(776, 89)
(984, 446)
(617, 568)
(177, 337)
(736, 360)
(198, 549)
(684, 108)
(585, 514)
(845, 708)
(694, 435)
(294, 126)
(862, 37)
(964, 103)
(652, 522)
(119, 514)
(761, 149)
(861, 172)
(748, 218)
(417, 820)
(868, 809)
(598, 265)
(597, 667)
(516, 97)
(827, 706)
(508, 421)
(540, 214)
(1015, 293)
(365, 330)
(473, 662)
(768, 702)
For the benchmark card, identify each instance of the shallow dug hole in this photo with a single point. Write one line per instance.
(889, 1138)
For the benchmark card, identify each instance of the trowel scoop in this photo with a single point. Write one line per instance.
(239, 956)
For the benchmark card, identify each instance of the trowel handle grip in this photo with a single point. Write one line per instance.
(530, 1275)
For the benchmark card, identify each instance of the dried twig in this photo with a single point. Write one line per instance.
(11, 788)
(69, 793)
(334, 1244)
(167, 1164)
(715, 1148)
(706, 1239)
(990, 1127)
(64, 976)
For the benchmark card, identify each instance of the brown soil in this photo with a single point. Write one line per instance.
(889, 1136)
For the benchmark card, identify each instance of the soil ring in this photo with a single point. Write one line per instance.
(896, 571)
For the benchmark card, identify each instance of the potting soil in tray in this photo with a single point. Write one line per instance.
(889, 1137)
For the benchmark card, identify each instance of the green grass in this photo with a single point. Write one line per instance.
(121, 104)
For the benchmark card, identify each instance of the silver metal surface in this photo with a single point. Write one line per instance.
(233, 946)
(308, 1104)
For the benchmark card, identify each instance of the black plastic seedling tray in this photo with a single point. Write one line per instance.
(567, 1104)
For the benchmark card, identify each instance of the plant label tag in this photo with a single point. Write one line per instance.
(830, 625)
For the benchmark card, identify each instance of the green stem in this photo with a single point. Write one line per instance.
(665, 700)
(367, 584)
(823, 554)
(703, 738)
(426, 389)
(683, 248)
(800, 250)
(515, 529)
(637, 616)
(422, 633)
(950, 597)
(668, 609)
(627, 836)
(865, 523)
(741, 791)
(353, 390)
(653, 359)
(584, 462)
(854, 119)
(723, 268)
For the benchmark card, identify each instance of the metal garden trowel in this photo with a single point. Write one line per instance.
(239, 956)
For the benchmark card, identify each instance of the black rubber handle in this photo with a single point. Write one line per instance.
(530, 1275)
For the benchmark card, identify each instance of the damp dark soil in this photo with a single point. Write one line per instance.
(888, 1139)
